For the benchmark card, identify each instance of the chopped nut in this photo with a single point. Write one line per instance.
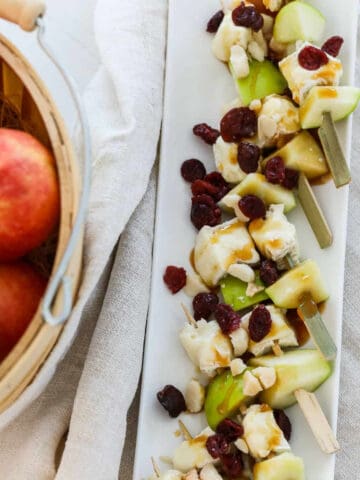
(266, 375)
(194, 285)
(256, 51)
(278, 47)
(237, 366)
(239, 61)
(209, 472)
(273, 5)
(194, 396)
(255, 105)
(192, 475)
(268, 24)
(253, 289)
(242, 271)
(267, 128)
(251, 386)
(243, 410)
(239, 214)
(241, 445)
(240, 341)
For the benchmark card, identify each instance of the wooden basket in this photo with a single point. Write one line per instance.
(22, 92)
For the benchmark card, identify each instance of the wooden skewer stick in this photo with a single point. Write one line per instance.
(189, 317)
(277, 349)
(317, 421)
(185, 432)
(314, 322)
(314, 213)
(334, 155)
(155, 467)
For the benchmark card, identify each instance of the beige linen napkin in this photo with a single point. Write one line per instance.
(124, 104)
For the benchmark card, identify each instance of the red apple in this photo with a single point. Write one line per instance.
(29, 194)
(21, 289)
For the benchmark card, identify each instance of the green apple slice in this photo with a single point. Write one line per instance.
(339, 101)
(304, 154)
(234, 292)
(256, 184)
(298, 21)
(282, 467)
(305, 278)
(296, 369)
(264, 79)
(224, 396)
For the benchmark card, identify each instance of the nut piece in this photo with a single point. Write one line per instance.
(242, 271)
(194, 285)
(237, 366)
(192, 475)
(252, 386)
(241, 445)
(209, 472)
(266, 375)
(239, 61)
(194, 396)
(253, 289)
(240, 341)
(273, 5)
(255, 105)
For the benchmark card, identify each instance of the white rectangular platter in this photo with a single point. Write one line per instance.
(197, 87)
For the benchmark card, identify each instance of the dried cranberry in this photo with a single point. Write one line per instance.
(268, 272)
(215, 22)
(312, 58)
(204, 304)
(232, 464)
(192, 170)
(291, 179)
(217, 445)
(259, 323)
(249, 17)
(333, 45)
(252, 207)
(201, 187)
(218, 181)
(175, 278)
(228, 320)
(237, 124)
(206, 133)
(284, 423)
(172, 400)
(275, 170)
(230, 429)
(204, 211)
(248, 157)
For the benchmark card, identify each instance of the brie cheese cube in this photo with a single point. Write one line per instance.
(275, 236)
(261, 432)
(278, 117)
(207, 347)
(216, 248)
(193, 453)
(226, 161)
(280, 332)
(229, 35)
(301, 80)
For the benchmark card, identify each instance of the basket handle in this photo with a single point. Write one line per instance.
(22, 12)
